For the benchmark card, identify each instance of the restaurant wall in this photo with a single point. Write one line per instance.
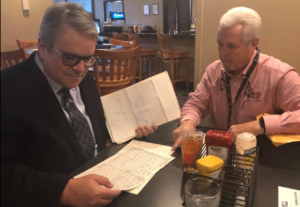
(134, 13)
(16, 23)
(279, 37)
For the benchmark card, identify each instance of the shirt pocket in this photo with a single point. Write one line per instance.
(251, 107)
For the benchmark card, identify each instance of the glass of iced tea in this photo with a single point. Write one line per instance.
(191, 143)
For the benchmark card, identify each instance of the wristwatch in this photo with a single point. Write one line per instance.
(262, 123)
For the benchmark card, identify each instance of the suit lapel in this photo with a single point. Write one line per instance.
(49, 102)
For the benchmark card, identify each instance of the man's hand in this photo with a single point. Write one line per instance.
(145, 131)
(252, 127)
(88, 191)
(185, 125)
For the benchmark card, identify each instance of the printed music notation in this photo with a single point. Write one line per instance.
(134, 165)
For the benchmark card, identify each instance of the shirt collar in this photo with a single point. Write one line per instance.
(246, 69)
(55, 86)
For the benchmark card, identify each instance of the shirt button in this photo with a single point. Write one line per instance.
(235, 84)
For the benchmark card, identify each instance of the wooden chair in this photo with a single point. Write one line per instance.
(111, 81)
(146, 55)
(120, 36)
(173, 57)
(127, 45)
(22, 44)
(11, 58)
(25, 44)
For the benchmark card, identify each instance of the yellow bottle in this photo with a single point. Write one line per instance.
(210, 166)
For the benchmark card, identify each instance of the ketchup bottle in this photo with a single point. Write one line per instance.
(218, 143)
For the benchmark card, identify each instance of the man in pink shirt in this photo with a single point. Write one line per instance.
(243, 84)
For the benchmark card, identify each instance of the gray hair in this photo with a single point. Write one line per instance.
(248, 18)
(62, 15)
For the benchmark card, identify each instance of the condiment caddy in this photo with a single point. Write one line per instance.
(237, 176)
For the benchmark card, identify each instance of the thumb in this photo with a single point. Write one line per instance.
(176, 144)
(102, 181)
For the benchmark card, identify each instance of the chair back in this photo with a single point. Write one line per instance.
(120, 36)
(26, 44)
(118, 69)
(135, 37)
(165, 45)
(127, 45)
(11, 58)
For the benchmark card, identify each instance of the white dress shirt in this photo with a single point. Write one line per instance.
(75, 93)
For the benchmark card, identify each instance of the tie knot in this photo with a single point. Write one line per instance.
(65, 92)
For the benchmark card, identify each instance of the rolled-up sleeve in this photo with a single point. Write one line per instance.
(288, 100)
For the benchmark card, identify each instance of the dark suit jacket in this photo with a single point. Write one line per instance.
(38, 146)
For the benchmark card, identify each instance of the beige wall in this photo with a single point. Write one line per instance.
(16, 23)
(280, 33)
(134, 13)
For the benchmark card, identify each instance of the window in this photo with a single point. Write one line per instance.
(112, 6)
(88, 5)
(177, 13)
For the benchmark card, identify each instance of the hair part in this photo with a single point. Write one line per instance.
(61, 16)
(248, 18)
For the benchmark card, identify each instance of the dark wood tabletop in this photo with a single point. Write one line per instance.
(164, 188)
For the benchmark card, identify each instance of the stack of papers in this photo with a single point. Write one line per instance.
(152, 101)
(133, 166)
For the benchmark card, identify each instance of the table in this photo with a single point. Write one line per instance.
(164, 188)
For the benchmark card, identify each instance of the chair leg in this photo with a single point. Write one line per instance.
(140, 69)
(161, 65)
(175, 69)
(156, 69)
(172, 73)
(187, 73)
(147, 66)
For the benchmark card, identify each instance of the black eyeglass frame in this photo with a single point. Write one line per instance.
(84, 59)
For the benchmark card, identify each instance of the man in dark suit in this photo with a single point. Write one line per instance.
(52, 119)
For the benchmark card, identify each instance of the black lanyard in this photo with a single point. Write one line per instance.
(245, 79)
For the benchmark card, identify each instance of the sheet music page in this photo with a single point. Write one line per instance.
(146, 105)
(152, 101)
(119, 115)
(131, 166)
(162, 149)
(169, 101)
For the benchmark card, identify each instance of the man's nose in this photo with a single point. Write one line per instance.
(223, 52)
(80, 68)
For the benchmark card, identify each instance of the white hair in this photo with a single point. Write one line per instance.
(248, 18)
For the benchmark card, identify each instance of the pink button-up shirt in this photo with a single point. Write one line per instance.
(273, 87)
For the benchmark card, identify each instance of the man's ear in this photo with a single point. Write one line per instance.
(41, 48)
(255, 42)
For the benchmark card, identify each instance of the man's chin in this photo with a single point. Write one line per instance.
(228, 68)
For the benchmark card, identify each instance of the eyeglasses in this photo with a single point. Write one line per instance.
(72, 60)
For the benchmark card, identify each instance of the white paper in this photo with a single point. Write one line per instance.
(166, 150)
(152, 101)
(288, 197)
(133, 165)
